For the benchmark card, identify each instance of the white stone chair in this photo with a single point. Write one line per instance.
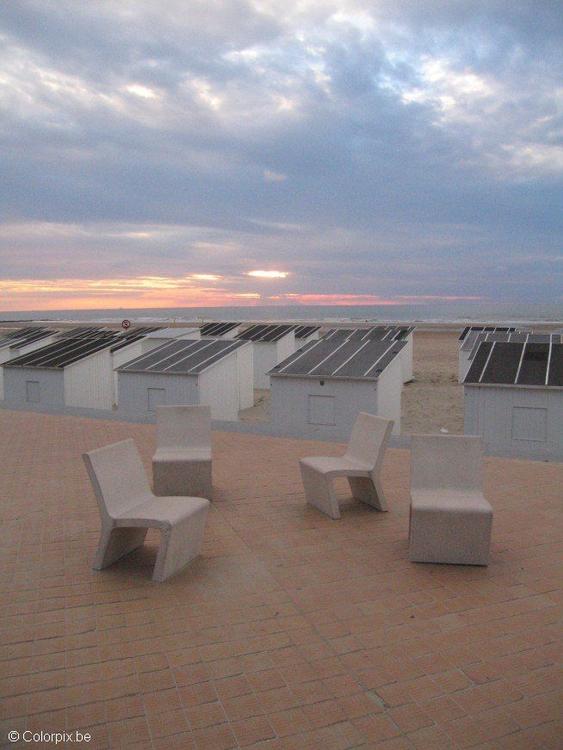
(450, 520)
(182, 462)
(361, 465)
(128, 508)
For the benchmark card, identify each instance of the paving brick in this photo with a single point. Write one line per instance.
(409, 718)
(376, 728)
(252, 730)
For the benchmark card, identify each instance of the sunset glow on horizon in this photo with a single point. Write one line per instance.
(164, 292)
(145, 291)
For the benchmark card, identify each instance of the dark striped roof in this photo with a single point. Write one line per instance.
(516, 363)
(217, 329)
(19, 333)
(302, 332)
(62, 353)
(487, 329)
(376, 333)
(86, 332)
(26, 336)
(345, 359)
(516, 337)
(187, 357)
(265, 332)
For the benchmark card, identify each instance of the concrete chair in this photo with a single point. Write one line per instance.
(450, 520)
(361, 465)
(128, 508)
(182, 462)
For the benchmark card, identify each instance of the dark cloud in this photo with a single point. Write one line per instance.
(411, 148)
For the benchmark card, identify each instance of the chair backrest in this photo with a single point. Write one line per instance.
(183, 426)
(118, 477)
(446, 462)
(369, 438)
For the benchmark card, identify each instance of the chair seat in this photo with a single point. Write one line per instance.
(182, 454)
(162, 511)
(453, 501)
(336, 465)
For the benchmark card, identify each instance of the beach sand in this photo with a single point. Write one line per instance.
(431, 402)
(434, 400)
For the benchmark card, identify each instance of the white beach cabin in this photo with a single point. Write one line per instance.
(319, 390)
(513, 397)
(21, 342)
(73, 372)
(207, 371)
(271, 344)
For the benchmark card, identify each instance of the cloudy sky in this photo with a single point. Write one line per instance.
(206, 152)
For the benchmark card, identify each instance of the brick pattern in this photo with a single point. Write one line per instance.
(292, 631)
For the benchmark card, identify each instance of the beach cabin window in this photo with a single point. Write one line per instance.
(32, 395)
(529, 424)
(155, 397)
(321, 410)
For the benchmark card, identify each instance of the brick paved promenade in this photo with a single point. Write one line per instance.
(292, 631)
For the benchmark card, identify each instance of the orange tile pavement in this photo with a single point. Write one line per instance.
(291, 631)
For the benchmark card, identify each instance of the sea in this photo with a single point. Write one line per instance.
(452, 312)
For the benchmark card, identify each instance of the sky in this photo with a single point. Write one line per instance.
(240, 152)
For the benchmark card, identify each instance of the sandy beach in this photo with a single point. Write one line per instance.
(434, 399)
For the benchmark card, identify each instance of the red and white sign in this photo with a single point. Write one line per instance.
(126, 324)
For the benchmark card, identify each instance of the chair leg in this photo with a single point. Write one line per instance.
(319, 492)
(116, 542)
(179, 545)
(369, 491)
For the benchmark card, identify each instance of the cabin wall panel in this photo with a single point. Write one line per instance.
(88, 383)
(516, 421)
